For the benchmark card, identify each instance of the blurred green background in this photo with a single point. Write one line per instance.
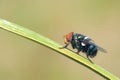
(22, 59)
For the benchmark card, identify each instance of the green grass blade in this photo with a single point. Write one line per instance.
(55, 46)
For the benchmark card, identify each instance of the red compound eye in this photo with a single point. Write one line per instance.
(68, 37)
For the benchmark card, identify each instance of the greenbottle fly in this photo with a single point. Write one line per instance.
(83, 44)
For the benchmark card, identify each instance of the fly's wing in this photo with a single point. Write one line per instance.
(83, 38)
(88, 39)
(99, 48)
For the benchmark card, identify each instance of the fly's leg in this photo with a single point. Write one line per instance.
(65, 46)
(78, 51)
(89, 58)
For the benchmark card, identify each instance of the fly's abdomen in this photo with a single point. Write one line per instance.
(92, 51)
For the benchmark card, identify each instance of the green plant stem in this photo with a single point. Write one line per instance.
(55, 46)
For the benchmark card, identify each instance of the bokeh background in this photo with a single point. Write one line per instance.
(22, 59)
